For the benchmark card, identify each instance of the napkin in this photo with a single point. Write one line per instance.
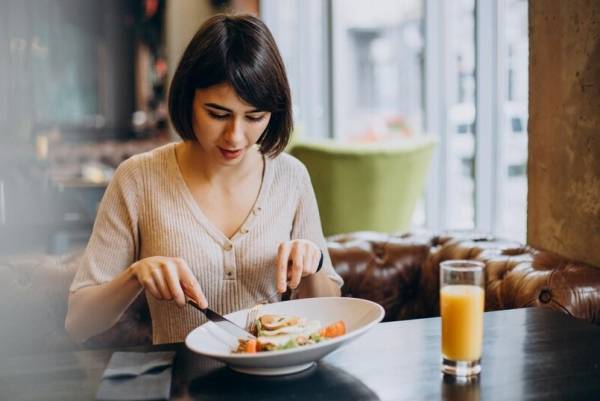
(137, 376)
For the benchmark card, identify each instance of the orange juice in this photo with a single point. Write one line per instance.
(462, 322)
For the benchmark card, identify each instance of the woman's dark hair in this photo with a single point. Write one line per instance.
(238, 50)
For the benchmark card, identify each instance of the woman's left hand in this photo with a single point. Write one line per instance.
(296, 259)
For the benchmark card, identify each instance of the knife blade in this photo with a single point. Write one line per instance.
(221, 322)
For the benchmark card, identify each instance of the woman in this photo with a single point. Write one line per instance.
(223, 217)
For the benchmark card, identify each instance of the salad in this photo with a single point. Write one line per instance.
(279, 332)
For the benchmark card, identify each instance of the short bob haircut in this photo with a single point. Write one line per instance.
(238, 50)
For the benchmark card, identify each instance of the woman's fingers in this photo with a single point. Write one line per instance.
(297, 264)
(172, 279)
(295, 259)
(310, 266)
(167, 278)
(147, 281)
(160, 283)
(283, 254)
(190, 285)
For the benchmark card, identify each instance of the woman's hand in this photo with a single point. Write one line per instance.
(296, 259)
(168, 278)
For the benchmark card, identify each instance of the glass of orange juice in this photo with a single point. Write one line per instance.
(462, 299)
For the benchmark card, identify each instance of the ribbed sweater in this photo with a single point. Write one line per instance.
(148, 210)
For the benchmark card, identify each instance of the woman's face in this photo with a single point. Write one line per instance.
(226, 126)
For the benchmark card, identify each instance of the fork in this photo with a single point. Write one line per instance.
(253, 312)
(252, 316)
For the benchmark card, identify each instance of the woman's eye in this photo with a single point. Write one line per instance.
(255, 118)
(218, 116)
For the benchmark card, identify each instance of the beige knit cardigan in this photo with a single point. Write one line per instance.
(148, 210)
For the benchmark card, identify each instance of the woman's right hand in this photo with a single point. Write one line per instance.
(168, 278)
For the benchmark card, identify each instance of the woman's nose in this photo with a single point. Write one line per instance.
(235, 131)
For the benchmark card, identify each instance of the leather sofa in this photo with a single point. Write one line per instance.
(400, 272)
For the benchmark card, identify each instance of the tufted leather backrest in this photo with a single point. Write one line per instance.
(401, 272)
(383, 268)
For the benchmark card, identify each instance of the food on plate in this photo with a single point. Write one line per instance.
(278, 332)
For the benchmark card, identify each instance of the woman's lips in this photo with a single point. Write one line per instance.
(231, 154)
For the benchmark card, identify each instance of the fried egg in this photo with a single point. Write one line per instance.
(284, 334)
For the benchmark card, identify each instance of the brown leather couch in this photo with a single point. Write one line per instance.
(400, 272)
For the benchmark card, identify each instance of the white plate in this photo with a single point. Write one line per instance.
(359, 315)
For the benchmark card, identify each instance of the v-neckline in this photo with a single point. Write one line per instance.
(196, 210)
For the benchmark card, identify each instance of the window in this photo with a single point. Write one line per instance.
(300, 29)
(457, 71)
(456, 35)
(513, 53)
(377, 68)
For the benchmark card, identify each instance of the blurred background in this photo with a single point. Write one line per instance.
(83, 86)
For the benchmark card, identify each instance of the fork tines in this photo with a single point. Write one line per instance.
(251, 317)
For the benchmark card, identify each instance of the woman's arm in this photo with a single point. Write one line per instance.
(307, 228)
(110, 276)
(103, 286)
(95, 309)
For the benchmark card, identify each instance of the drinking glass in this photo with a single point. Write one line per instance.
(461, 306)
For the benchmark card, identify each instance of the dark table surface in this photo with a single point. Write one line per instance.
(528, 354)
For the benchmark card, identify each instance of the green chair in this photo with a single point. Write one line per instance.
(372, 186)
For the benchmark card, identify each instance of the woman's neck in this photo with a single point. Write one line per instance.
(196, 167)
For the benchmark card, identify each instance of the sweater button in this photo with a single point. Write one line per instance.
(227, 246)
(244, 230)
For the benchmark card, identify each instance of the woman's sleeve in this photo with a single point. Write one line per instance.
(114, 243)
(307, 224)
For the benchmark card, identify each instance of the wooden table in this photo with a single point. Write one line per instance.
(529, 354)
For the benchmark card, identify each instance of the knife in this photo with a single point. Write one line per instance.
(223, 323)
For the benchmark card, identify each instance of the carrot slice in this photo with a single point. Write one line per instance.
(334, 330)
(340, 328)
(251, 346)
